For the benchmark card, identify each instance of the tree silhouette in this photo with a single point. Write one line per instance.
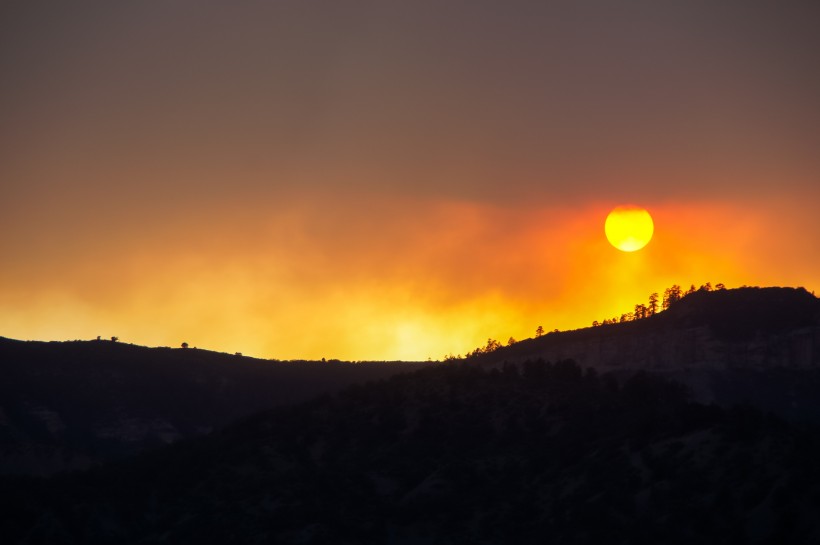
(653, 303)
(671, 296)
(692, 289)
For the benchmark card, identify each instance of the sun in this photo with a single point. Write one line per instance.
(629, 228)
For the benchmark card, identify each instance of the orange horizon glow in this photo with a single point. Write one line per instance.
(435, 281)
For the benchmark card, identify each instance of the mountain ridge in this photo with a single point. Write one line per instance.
(71, 404)
(498, 448)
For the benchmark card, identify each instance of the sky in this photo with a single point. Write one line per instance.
(394, 180)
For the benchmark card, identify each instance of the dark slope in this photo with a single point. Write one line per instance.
(72, 404)
(453, 454)
(703, 324)
(759, 345)
(743, 314)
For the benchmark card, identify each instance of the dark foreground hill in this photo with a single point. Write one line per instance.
(756, 345)
(535, 453)
(744, 327)
(69, 405)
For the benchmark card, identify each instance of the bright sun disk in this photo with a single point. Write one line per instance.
(629, 228)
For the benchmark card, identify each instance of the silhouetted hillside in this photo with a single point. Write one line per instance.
(70, 405)
(724, 317)
(67, 405)
(535, 453)
(759, 345)
(745, 313)
(500, 448)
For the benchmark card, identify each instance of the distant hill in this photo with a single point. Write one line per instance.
(70, 405)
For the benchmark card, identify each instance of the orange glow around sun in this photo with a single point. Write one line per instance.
(314, 281)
